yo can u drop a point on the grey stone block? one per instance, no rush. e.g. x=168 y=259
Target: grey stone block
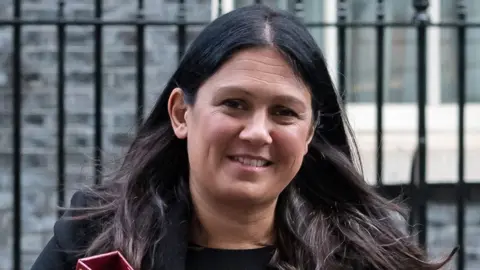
x=80 y=37
x=472 y=216
x=38 y=101
x=79 y=140
x=473 y=237
x=78 y=158
x=36 y=120
x=121 y=99
x=32 y=242
x=5 y=161
x=80 y=77
x=39 y=36
x=80 y=57
x=5 y=141
x=120 y=58
x=121 y=139
x=6 y=104
x=39 y=140
x=79 y=11
x=35 y=161
x=6 y=259
x=121 y=79
x=124 y=120
x=6 y=220
x=6 y=201
x=84 y=119
x=5 y=179
x=38 y=178
x=39 y=12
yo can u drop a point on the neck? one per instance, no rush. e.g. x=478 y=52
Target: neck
x=218 y=225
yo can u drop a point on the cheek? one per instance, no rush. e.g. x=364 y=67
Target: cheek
x=210 y=133
x=291 y=143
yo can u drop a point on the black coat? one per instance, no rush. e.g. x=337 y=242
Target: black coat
x=70 y=236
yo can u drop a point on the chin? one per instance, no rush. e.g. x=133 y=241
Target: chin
x=246 y=196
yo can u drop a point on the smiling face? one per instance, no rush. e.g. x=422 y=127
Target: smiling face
x=249 y=128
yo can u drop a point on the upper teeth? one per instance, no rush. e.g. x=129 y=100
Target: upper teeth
x=251 y=162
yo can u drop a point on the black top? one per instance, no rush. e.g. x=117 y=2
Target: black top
x=200 y=258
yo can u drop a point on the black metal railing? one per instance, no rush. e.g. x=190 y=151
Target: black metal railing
x=418 y=189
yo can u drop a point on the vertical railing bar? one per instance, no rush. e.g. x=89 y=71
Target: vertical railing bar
x=379 y=84
x=461 y=73
x=342 y=10
x=182 y=31
x=17 y=137
x=61 y=108
x=421 y=20
x=412 y=193
x=98 y=94
x=140 y=63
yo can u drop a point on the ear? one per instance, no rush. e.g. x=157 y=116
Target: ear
x=177 y=110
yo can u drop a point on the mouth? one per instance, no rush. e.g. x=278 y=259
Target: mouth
x=251 y=162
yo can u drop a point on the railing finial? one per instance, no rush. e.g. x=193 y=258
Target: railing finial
x=461 y=10
x=421 y=11
x=380 y=10
x=342 y=11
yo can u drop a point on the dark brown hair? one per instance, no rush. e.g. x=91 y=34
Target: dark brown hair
x=327 y=218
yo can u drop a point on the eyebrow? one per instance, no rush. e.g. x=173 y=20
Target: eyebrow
x=240 y=89
x=279 y=98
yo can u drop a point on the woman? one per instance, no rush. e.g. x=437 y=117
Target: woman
x=245 y=162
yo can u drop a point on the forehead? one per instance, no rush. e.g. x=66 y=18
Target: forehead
x=260 y=70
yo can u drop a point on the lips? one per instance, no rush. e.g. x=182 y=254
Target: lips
x=251 y=161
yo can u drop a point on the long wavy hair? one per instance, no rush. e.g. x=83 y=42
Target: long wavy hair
x=328 y=217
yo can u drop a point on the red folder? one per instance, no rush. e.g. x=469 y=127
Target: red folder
x=111 y=261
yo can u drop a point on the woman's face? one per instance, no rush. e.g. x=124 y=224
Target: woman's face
x=249 y=129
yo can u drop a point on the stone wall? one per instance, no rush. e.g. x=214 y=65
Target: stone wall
x=39 y=62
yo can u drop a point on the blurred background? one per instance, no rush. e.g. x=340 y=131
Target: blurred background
x=77 y=76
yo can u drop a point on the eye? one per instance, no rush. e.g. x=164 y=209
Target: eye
x=234 y=104
x=285 y=112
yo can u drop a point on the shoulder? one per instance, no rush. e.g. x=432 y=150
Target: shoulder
x=77 y=227
x=72 y=234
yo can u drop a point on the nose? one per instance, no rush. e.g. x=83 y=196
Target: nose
x=257 y=129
